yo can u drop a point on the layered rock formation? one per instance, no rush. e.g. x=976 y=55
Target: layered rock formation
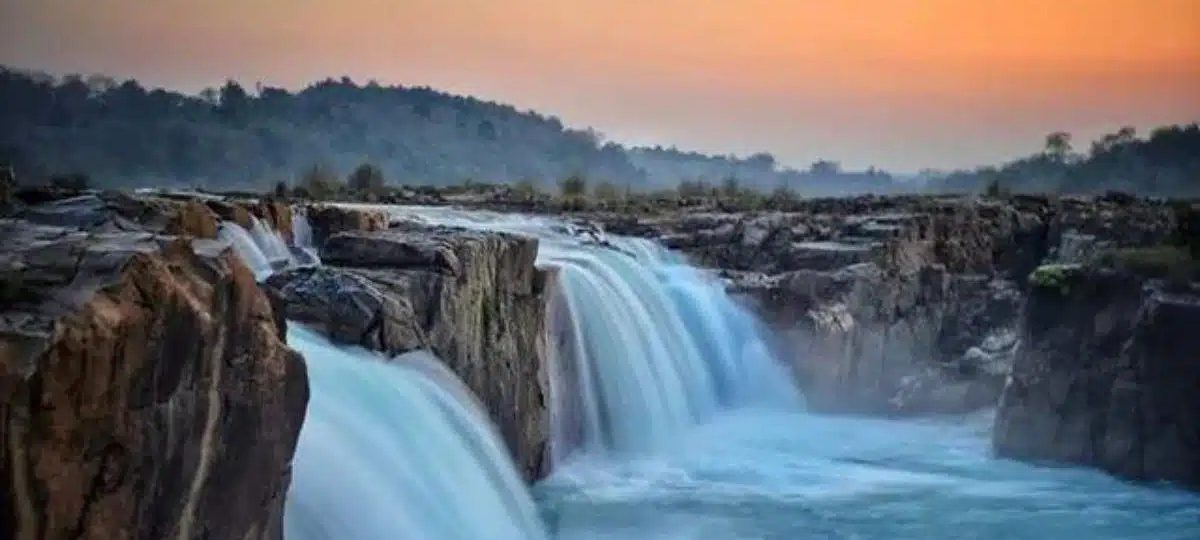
x=473 y=298
x=899 y=304
x=1108 y=375
x=145 y=391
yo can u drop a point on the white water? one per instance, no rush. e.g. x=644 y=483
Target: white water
x=398 y=450
x=684 y=429
x=652 y=347
x=263 y=248
x=246 y=248
x=302 y=236
x=271 y=243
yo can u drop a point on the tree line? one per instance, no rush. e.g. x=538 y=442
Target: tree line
x=97 y=130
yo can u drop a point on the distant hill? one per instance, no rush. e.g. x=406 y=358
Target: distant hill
x=121 y=134
x=1164 y=164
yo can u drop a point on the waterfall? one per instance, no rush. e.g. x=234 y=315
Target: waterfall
x=302 y=238
x=398 y=450
x=644 y=345
x=264 y=250
x=246 y=248
x=657 y=347
x=270 y=243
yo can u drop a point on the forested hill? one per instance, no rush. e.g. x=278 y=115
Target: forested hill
x=122 y=134
x=1164 y=164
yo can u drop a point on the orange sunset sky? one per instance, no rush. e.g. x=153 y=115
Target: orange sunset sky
x=901 y=84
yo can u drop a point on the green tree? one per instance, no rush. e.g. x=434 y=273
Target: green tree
x=573 y=187
x=318 y=182
x=1058 y=145
x=366 y=178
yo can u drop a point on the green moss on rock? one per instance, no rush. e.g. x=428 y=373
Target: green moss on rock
x=1055 y=276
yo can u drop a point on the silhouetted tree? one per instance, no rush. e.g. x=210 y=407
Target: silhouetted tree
x=366 y=178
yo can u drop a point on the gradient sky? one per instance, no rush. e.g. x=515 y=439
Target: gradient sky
x=901 y=84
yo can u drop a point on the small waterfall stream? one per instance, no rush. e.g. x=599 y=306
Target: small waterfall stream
x=245 y=246
x=263 y=248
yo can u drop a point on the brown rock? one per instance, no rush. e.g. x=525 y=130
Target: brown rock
x=328 y=220
x=193 y=219
x=474 y=298
x=145 y=391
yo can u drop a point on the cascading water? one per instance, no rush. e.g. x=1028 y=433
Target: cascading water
x=270 y=243
x=302 y=237
x=264 y=250
x=649 y=346
x=398 y=450
x=653 y=357
x=246 y=248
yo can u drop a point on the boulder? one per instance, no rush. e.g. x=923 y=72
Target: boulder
x=145 y=389
x=348 y=308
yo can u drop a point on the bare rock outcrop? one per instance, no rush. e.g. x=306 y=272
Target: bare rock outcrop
x=1107 y=375
x=145 y=391
x=328 y=220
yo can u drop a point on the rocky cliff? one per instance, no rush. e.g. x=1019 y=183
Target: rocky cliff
x=902 y=304
x=1107 y=374
x=145 y=391
x=473 y=298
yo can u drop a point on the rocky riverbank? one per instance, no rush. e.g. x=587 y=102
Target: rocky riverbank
x=1107 y=375
x=898 y=305
x=145 y=389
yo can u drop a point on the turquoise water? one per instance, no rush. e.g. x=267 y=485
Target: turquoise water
x=672 y=421
x=792 y=475
x=398 y=449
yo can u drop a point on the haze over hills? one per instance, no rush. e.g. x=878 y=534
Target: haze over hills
x=123 y=134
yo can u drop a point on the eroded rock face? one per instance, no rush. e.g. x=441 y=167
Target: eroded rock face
x=474 y=298
x=863 y=340
x=1107 y=375
x=899 y=304
x=145 y=391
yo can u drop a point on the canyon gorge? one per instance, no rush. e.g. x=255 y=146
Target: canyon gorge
x=192 y=365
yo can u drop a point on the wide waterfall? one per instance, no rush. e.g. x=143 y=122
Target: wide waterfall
x=647 y=345
x=398 y=449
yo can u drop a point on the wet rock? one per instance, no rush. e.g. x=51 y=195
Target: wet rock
x=476 y=302
x=348 y=308
x=145 y=390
